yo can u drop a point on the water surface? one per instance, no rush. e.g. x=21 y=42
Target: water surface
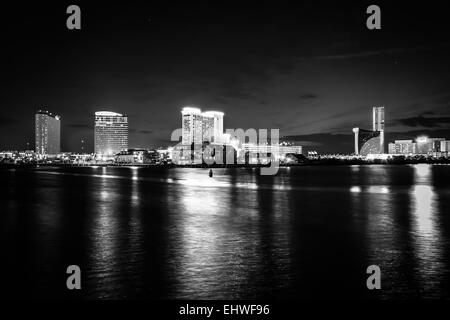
x=308 y=232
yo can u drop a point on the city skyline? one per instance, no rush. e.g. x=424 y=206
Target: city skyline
x=110 y=134
x=265 y=67
x=220 y=158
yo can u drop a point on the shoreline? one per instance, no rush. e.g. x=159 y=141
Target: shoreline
x=321 y=162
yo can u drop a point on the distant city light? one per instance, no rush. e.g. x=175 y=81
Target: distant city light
x=108 y=114
x=191 y=110
x=213 y=113
x=422 y=139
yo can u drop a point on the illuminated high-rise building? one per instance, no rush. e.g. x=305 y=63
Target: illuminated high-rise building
x=198 y=127
x=192 y=126
x=213 y=126
x=47 y=133
x=378 y=124
x=111 y=133
x=378 y=119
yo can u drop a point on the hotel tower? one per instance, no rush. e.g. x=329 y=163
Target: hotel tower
x=198 y=126
x=111 y=133
x=47 y=133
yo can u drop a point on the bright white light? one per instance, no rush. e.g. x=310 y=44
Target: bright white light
x=422 y=170
x=422 y=139
x=190 y=110
x=213 y=114
x=108 y=114
x=423 y=208
x=378 y=189
x=384 y=190
x=355 y=189
x=376 y=156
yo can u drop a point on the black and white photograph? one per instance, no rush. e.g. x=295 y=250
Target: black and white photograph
x=225 y=156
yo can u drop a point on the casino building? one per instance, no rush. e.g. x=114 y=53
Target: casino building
x=199 y=127
x=47 y=133
x=110 y=133
x=371 y=141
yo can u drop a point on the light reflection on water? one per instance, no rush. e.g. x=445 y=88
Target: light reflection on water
x=403 y=233
x=427 y=238
x=104 y=235
x=180 y=234
x=212 y=244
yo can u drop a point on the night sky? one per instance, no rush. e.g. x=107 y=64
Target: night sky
x=309 y=68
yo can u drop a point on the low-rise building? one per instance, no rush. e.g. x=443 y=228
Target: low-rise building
x=138 y=156
x=403 y=147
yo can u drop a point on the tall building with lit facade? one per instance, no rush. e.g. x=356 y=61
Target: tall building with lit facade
x=371 y=141
x=213 y=126
x=192 y=126
x=378 y=124
x=198 y=126
x=47 y=133
x=110 y=133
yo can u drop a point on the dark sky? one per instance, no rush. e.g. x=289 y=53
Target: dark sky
x=309 y=68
